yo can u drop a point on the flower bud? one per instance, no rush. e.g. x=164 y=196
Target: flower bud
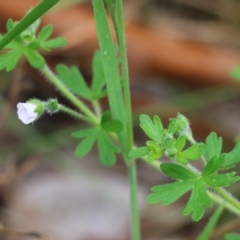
x=28 y=112
x=52 y=106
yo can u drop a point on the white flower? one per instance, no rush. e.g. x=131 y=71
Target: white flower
x=26 y=112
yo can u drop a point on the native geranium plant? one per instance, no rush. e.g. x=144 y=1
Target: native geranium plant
x=112 y=130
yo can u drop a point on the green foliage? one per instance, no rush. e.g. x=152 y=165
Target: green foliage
x=106 y=148
x=152 y=129
x=213 y=146
x=232 y=236
x=75 y=82
x=198 y=201
x=171 y=142
x=27 y=43
x=233 y=157
x=170 y=192
x=30 y=19
x=177 y=172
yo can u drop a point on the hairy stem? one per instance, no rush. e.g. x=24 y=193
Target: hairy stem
x=78 y=103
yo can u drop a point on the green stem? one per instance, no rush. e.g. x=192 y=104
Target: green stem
x=132 y=175
x=78 y=103
x=29 y=19
x=125 y=72
x=228 y=197
x=75 y=114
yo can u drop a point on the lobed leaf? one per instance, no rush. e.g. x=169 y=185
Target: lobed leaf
x=34 y=58
x=198 y=201
x=213 y=146
x=233 y=157
x=192 y=153
x=221 y=180
x=214 y=164
x=106 y=149
x=73 y=80
x=86 y=145
x=147 y=125
x=10 y=59
x=169 y=193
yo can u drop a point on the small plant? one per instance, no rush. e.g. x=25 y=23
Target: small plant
x=112 y=130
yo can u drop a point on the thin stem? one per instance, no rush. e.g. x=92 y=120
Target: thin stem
x=78 y=103
x=125 y=72
x=228 y=197
x=132 y=175
x=97 y=108
x=75 y=114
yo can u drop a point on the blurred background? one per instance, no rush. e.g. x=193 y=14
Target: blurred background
x=180 y=55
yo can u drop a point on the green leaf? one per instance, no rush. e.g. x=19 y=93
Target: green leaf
x=198 y=201
x=110 y=125
x=54 y=43
x=106 y=149
x=113 y=126
x=148 y=127
x=86 y=145
x=232 y=236
x=233 y=157
x=10 y=59
x=35 y=59
x=158 y=124
x=45 y=33
x=29 y=19
x=221 y=180
x=180 y=143
x=192 y=153
x=138 y=152
x=83 y=133
x=106 y=117
x=213 y=146
x=172 y=126
x=206 y=233
x=73 y=80
x=177 y=171
x=169 y=193
x=214 y=164
x=98 y=81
